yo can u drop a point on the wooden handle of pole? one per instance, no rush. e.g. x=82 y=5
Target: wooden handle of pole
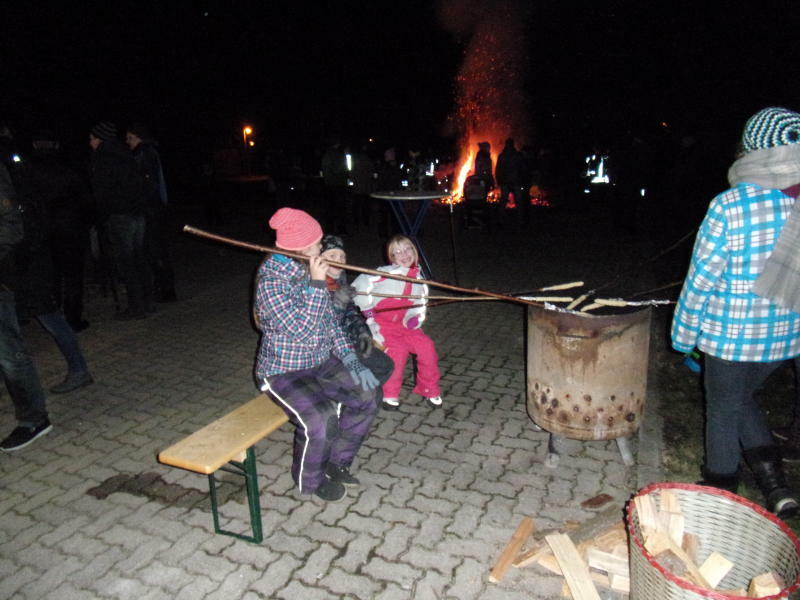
x=269 y=249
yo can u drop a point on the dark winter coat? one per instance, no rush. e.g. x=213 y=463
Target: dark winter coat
x=35 y=274
x=148 y=164
x=350 y=318
x=63 y=195
x=483 y=167
x=11 y=229
x=116 y=183
x=509 y=167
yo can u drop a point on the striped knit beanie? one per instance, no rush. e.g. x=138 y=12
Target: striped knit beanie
x=104 y=131
x=331 y=242
x=771 y=127
x=295 y=229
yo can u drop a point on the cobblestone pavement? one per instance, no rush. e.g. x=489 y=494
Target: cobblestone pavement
x=87 y=512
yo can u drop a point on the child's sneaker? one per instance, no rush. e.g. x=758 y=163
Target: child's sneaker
x=391 y=403
x=435 y=401
x=341 y=475
x=330 y=491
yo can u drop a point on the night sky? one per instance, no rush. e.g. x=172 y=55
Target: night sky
x=303 y=72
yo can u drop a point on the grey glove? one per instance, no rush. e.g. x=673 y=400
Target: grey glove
x=364 y=344
x=361 y=375
x=343 y=296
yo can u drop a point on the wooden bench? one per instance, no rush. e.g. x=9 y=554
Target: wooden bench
x=227 y=444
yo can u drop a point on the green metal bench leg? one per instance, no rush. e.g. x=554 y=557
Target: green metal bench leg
x=247 y=469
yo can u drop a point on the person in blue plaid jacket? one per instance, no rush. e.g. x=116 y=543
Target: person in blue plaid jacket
x=744 y=336
x=307 y=364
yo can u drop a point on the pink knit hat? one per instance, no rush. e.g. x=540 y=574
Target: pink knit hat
x=295 y=229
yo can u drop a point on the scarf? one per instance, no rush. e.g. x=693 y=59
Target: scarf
x=776 y=168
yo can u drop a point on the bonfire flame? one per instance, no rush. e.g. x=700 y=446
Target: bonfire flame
x=491 y=104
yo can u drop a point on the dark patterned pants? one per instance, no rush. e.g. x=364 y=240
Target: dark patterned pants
x=332 y=416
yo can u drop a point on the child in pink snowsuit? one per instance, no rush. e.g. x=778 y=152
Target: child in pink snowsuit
x=396 y=322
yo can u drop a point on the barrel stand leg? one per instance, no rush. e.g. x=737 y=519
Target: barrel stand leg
x=247 y=469
x=555 y=446
x=625 y=450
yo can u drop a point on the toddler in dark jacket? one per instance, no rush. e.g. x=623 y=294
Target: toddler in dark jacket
x=349 y=315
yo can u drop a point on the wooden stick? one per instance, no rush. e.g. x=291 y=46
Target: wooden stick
x=577 y=301
x=269 y=249
x=511 y=550
x=573 y=567
x=560 y=286
x=462 y=298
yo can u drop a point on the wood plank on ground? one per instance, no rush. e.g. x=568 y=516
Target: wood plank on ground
x=573 y=567
x=523 y=532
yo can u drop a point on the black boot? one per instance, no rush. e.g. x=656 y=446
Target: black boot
x=790 y=449
x=765 y=462
x=729 y=482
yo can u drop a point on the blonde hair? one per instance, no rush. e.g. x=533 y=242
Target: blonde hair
x=395 y=242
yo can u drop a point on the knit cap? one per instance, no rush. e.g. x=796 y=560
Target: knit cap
x=295 y=229
x=141 y=131
x=104 y=130
x=770 y=127
x=331 y=242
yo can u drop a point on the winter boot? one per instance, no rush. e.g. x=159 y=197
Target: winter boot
x=765 y=462
x=790 y=448
x=729 y=482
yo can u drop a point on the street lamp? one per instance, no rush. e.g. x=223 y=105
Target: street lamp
x=246 y=131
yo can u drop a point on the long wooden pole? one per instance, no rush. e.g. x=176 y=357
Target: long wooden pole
x=446 y=286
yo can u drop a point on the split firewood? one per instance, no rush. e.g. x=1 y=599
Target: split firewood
x=620 y=583
x=601 y=579
x=670 y=561
x=605 y=561
x=661 y=539
x=691 y=544
x=523 y=532
x=549 y=562
x=532 y=555
x=573 y=567
x=648 y=513
x=766 y=584
x=714 y=568
x=669 y=501
x=656 y=542
x=620 y=550
x=612 y=537
x=673 y=524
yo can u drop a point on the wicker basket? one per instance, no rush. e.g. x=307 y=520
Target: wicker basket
x=755 y=540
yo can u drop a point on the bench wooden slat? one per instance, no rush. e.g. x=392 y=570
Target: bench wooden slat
x=227 y=438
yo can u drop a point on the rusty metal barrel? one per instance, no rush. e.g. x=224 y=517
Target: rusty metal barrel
x=587 y=374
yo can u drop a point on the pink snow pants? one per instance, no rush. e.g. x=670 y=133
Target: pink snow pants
x=400 y=342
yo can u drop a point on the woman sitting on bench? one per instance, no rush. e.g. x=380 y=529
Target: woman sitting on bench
x=307 y=364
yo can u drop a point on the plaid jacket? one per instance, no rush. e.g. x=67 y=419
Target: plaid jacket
x=299 y=328
x=717 y=310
